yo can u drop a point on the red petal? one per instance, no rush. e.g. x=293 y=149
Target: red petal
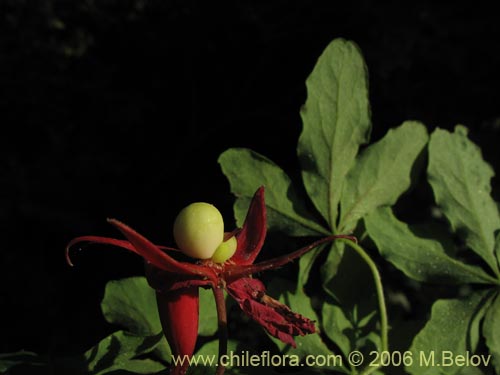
x=179 y=311
x=158 y=258
x=275 y=317
x=252 y=235
x=100 y=240
x=105 y=241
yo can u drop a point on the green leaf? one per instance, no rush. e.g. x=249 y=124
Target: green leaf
x=299 y=303
x=445 y=336
x=131 y=303
x=306 y=263
x=210 y=352
x=475 y=331
x=337 y=326
x=381 y=173
x=351 y=283
x=497 y=247
x=10 y=360
x=205 y=359
x=208 y=323
x=460 y=179
x=349 y=330
x=333 y=259
x=246 y=171
x=120 y=351
x=419 y=258
x=336 y=121
x=470 y=370
x=491 y=331
x=350 y=320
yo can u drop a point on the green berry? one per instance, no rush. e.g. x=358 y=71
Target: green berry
x=225 y=250
x=199 y=230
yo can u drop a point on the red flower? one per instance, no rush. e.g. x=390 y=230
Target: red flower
x=177 y=282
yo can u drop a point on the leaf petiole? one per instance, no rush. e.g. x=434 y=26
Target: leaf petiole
x=384 y=327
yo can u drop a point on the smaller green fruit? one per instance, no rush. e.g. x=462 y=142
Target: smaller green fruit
x=199 y=230
x=225 y=250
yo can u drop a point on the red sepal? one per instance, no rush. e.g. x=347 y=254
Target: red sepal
x=153 y=254
x=235 y=271
x=251 y=237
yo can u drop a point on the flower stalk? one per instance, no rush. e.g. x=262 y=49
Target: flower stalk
x=220 y=304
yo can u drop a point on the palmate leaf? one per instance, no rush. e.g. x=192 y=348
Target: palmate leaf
x=491 y=331
x=348 y=318
x=335 y=325
x=246 y=171
x=419 y=258
x=206 y=358
x=306 y=262
x=123 y=351
x=381 y=173
x=300 y=303
x=348 y=333
x=460 y=179
x=336 y=121
x=131 y=303
x=352 y=286
x=11 y=360
x=211 y=351
x=446 y=333
x=476 y=326
x=497 y=245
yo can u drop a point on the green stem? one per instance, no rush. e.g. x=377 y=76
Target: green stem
x=384 y=327
x=220 y=304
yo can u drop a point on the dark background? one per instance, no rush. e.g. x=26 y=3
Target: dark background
x=119 y=108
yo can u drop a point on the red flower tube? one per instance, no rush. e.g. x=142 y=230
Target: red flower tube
x=178 y=310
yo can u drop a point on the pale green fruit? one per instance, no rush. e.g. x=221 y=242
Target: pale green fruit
x=199 y=230
x=225 y=250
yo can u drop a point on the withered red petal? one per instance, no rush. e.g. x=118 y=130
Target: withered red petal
x=253 y=233
x=275 y=317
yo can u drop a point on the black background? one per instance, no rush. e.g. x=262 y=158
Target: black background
x=120 y=109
